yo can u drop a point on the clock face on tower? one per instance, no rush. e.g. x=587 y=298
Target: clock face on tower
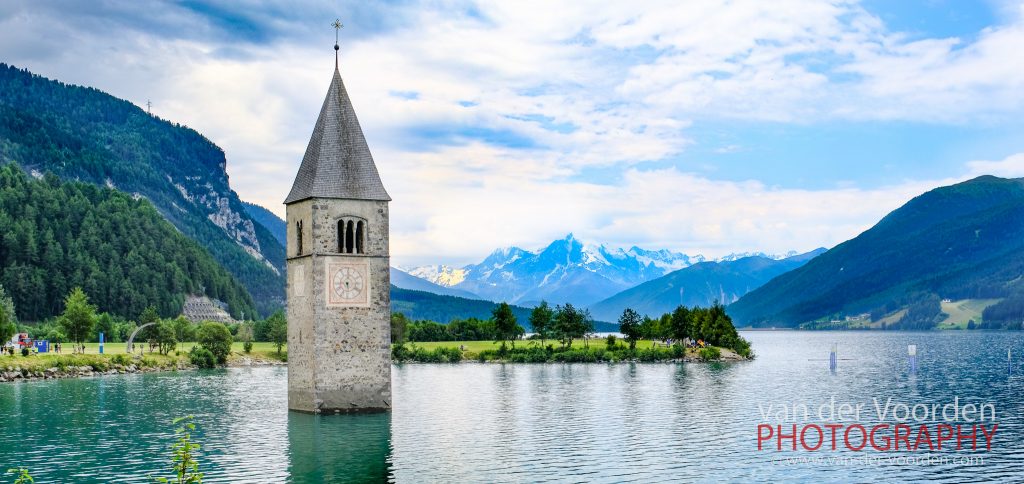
x=348 y=284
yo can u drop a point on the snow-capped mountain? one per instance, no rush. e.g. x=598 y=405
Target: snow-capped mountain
x=441 y=275
x=567 y=270
x=742 y=255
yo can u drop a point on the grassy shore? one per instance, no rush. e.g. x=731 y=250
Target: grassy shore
x=115 y=348
x=266 y=353
x=114 y=353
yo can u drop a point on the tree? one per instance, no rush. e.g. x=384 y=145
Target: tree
x=680 y=323
x=105 y=324
x=245 y=335
x=124 y=330
x=166 y=336
x=399 y=326
x=79 y=316
x=505 y=323
x=8 y=318
x=629 y=326
x=587 y=327
x=572 y=323
x=149 y=315
x=541 y=319
x=648 y=328
x=278 y=330
x=184 y=330
x=215 y=338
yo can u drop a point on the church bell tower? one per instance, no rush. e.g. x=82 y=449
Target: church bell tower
x=339 y=297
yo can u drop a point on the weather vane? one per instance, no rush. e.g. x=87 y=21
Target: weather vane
x=337 y=27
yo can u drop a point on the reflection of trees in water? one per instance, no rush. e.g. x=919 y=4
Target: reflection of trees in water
x=339 y=448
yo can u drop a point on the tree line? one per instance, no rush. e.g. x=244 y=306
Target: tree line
x=711 y=325
x=565 y=324
x=55 y=236
x=81 y=322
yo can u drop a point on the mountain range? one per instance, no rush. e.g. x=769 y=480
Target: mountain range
x=701 y=284
x=565 y=271
x=964 y=241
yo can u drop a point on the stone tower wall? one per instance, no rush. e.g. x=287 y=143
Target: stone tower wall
x=339 y=358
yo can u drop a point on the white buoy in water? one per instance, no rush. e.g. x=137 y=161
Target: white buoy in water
x=912 y=357
x=832 y=358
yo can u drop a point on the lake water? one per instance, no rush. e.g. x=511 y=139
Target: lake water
x=474 y=422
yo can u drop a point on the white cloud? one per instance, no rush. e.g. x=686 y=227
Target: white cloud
x=652 y=208
x=583 y=85
x=1010 y=167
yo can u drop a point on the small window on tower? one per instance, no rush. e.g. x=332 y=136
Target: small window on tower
x=341 y=236
x=298 y=237
x=359 y=237
x=349 y=237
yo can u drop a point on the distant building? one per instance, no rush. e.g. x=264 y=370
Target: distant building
x=201 y=308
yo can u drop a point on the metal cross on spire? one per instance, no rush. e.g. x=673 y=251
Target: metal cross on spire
x=337 y=27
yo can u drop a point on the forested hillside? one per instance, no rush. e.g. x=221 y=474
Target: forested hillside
x=964 y=241
x=57 y=235
x=84 y=134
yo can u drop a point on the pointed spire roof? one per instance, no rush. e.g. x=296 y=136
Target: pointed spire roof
x=337 y=163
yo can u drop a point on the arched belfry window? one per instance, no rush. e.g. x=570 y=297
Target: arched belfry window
x=351 y=235
x=298 y=237
x=359 y=237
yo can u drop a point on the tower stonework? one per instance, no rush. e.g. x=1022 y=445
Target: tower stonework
x=339 y=297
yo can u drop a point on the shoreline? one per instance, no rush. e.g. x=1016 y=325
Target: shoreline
x=91 y=365
x=14 y=373
x=103 y=366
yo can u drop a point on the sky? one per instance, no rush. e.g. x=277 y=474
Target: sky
x=705 y=127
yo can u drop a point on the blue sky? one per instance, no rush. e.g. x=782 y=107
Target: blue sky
x=702 y=126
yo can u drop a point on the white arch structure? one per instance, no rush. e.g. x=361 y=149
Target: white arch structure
x=131 y=339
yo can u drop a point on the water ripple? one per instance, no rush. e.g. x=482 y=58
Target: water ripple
x=520 y=423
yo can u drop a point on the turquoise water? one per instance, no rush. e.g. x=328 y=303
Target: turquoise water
x=526 y=423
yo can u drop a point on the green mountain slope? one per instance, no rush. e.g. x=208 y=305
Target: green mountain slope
x=698 y=285
x=964 y=241
x=81 y=133
x=55 y=236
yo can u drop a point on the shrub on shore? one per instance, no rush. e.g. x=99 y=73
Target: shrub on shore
x=215 y=338
x=709 y=353
x=402 y=353
x=202 y=357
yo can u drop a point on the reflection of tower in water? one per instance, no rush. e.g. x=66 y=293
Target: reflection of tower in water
x=339 y=448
